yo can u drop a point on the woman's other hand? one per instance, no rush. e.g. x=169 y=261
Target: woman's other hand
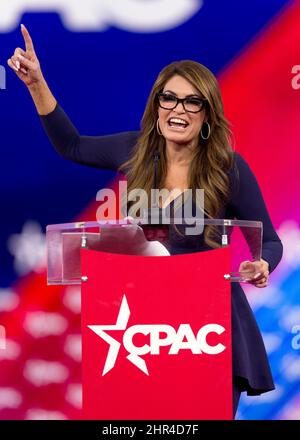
x=255 y=272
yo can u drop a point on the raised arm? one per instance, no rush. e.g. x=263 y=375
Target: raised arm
x=97 y=151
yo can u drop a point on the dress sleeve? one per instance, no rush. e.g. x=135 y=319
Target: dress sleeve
x=107 y=152
x=247 y=203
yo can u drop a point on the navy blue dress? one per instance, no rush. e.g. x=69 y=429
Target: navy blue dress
x=250 y=364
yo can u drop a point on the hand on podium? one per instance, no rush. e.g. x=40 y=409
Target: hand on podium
x=255 y=272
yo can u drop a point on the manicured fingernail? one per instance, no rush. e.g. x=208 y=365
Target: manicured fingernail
x=257 y=275
x=24 y=71
x=13 y=65
x=18 y=64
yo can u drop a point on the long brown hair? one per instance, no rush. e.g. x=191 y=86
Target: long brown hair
x=211 y=161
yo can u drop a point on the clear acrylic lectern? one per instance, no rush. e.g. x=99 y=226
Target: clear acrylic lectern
x=64 y=242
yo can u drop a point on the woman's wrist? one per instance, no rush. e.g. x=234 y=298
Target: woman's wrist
x=266 y=263
x=42 y=97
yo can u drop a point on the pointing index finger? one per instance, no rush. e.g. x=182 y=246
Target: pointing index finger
x=27 y=38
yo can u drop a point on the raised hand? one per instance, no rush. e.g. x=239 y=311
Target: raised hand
x=27 y=67
x=25 y=62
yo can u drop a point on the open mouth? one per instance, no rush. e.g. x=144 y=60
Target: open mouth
x=178 y=123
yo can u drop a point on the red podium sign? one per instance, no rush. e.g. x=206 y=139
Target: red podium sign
x=156 y=336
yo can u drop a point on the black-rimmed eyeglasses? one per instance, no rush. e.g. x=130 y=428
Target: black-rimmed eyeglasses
x=191 y=104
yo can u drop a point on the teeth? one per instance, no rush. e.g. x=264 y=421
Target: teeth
x=178 y=121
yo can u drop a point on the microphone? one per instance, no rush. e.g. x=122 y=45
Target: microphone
x=152 y=215
x=156 y=157
x=156 y=212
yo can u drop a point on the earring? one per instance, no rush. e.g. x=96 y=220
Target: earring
x=158 y=128
x=208 y=130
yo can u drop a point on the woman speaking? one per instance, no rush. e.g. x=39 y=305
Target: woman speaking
x=184 y=125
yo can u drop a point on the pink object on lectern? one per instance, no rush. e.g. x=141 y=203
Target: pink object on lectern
x=156 y=336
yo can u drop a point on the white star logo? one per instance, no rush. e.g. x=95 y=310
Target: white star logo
x=114 y=348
